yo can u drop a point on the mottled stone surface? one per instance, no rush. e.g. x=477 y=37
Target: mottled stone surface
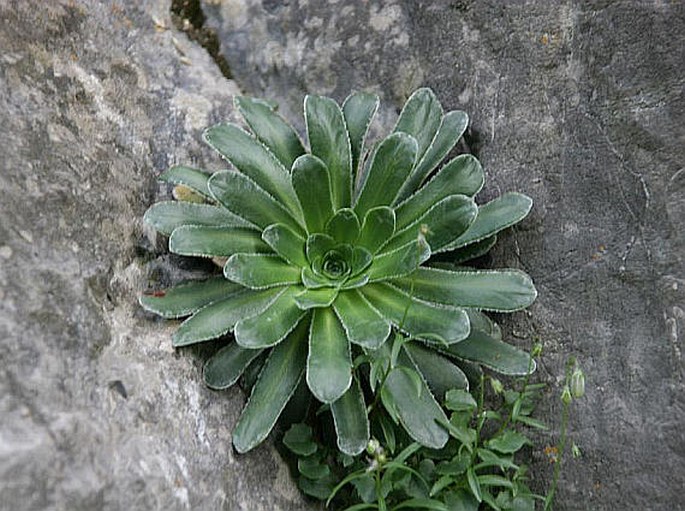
x=97 y=411
x=580 y=105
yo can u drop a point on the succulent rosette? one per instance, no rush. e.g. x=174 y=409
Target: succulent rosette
x=328 y=262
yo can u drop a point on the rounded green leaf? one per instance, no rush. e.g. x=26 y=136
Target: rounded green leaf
x=401 y=261
x=344 y=226
x=168 y=215
x=377 y=228
x=362 y=323
x=358 y=111
x=276 y=384
x=421 y=118
x=260 y=271
x=439 y=372
x=312 y=184
x=496 y=355
x=350 y=420
x=270 y=128
x=195 y=179
x=211 y=241
x=286 y=243
x=225 y=367
x=329 y=368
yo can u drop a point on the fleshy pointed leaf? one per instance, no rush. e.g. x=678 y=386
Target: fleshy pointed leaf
x=441 y=225
x=273 y=324
x=329 y=368
x=239 y=193
x=225 y=367
x=377 y=228
x=311 y=280
x=421 y=118
x=276 y=384
x=271 y=129
x=344 y=226
x=361 y=259
x=260 y=271
x=358 y=110
x=168 y=215
x=312 y=185
x=496 y=355
x=219 y=318
x=479 y=321
x=451 y=129
x=355 y=282
x=316 y=298
x=255 y=161
x=494 y=290
x=461 y=176
x=188 y=297
x=195 y=179
x=495 y=216
x=390 y=166
x=351 y=421
x=286 y=243
x=362 y=323
x=419 y=413
x=401 y=261
x=329 y=140
x=210 y=241
x=439 y=372
x=416 y=317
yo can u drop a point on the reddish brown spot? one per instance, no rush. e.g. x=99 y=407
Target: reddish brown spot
x=156 y=294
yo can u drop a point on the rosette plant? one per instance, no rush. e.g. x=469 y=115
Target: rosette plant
x=328 y=272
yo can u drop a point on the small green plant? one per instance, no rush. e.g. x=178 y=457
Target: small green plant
x=329 y=276
x=479 y=465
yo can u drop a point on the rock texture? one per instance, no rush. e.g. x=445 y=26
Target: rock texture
x=580 y=105
x=96 y=409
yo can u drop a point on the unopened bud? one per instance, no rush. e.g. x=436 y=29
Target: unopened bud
x=537 y=350
x=372 y=446
x=575 y=451
x=566 y=397
x=577 y=383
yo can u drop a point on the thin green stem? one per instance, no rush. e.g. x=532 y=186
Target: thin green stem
x=510 y=415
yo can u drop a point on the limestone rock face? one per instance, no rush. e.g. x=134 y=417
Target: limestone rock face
x=97 y=411
x=580 y=105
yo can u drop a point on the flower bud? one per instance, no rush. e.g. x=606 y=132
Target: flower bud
x=577 y=383
x=496 y=385
x=537 y=350
x=566 y=397
x=372 y=446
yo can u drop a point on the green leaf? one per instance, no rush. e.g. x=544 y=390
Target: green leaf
x=329 y=368
x=312 y=185
x=418 y=318
x=358 y=111
x=242 y=195
x=459 y=400
x=361 y=259
x=168 y=215
x=218 y=318
x=495 y=216
x=490 y=459
x=225 y=367
x=440 y=373
x=210 y=241
x=473 y=484
x=390 y=166
x=480 y=321
x=313 y=281
x=441 y=225
x=255 y=161
x=456 y=466
x=377 y=228
x=401 y=261
x=344 y=226
x=461 y=500
x=195 y=179
x=421 y=118
x=317 y=245
x=286 y=243
x=465 y=435
x=507 y=442
x=419 y=415
x=312 y=468
x=329 y=140
x=451 y=129
x=260 y=271
x=496 y=355
x=273 y=324
x=472 y=251
x=461 y=176
x=299 y=440
x=188 y=297
x=351 y=421
x=362 y=324
x=270 y=128
x=494 y=290
x=419 y=503
x=316 y=298
x=319 y=489
x=276 y=384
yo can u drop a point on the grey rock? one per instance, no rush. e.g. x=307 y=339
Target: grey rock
x=580 y=105
x=97 y=411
